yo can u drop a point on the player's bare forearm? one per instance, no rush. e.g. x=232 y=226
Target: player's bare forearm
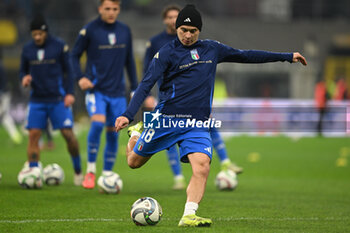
x=297 y=57
x=121 y=123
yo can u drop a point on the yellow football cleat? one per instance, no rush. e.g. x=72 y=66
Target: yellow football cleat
x=193 y=220
x=228 y=165
x=138 y=128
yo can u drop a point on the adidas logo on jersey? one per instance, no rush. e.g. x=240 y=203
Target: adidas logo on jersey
x=187 y=20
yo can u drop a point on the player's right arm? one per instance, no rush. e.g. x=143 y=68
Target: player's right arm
x=24 y=75
x=81 y=45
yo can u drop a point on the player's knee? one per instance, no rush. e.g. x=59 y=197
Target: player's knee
x=202 y=169
x=133 y=164
x=134 y=161
x=99 y=118
x=68 y=135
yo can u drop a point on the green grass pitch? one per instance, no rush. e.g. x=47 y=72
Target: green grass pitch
x=287 y=186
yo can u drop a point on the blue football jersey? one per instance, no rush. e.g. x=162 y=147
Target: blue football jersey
x=187 y=76
x=109 y=51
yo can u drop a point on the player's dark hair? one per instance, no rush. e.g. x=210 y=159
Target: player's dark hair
x=169 y=8
x=116 y=1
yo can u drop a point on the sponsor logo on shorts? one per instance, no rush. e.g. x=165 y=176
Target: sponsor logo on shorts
x=208 y=149
x=67 y=122
x=140 y=146
x=93 y=109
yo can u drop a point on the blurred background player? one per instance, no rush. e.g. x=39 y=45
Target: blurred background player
x=187 y=68
x=108 y=44
x=44 y=62
x=169 y=16
x=5 y=100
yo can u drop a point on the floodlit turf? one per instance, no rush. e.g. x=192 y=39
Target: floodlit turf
x=287 y=186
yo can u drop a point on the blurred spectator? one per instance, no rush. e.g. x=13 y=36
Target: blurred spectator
x=321 y=98
x=341 y=90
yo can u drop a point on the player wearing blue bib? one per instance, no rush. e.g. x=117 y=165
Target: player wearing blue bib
x=44 y=63
x=186 y=68
x=108 y=44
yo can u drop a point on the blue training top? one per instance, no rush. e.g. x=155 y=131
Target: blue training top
x=187 y=76
x=47 y=65
x=154 y=46
x=109 y=50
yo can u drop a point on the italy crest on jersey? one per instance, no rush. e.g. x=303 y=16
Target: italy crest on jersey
x=112 y=38
x=41 y=54
x=194 y=54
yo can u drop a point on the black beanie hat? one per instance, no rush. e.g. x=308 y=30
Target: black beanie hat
x=38 y=23
x=189 y=16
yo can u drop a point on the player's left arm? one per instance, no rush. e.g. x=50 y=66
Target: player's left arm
x=130 y=65
x=228 y=54
x=68 y=81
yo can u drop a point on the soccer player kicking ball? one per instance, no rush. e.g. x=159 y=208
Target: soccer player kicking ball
x=44 y=62
x=187 y=68
x=169 y=16
x=108 y=44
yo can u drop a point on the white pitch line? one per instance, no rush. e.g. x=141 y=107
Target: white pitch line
x=62 y=220
x=281 y=219
x=287 y=219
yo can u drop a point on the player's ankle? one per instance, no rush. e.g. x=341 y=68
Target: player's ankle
x=190 y=208
x=91 y=167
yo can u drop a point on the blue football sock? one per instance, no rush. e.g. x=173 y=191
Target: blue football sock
x=94 y=140
x=34 y=164
x=76 y=164
x=174 y=160
x=218 y=144
x=111 y=149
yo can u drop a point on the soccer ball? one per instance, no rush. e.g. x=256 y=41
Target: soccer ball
x=146 y=211
x=110 y=183
x=30 y=178
x=226 y=180
x=53 y=174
